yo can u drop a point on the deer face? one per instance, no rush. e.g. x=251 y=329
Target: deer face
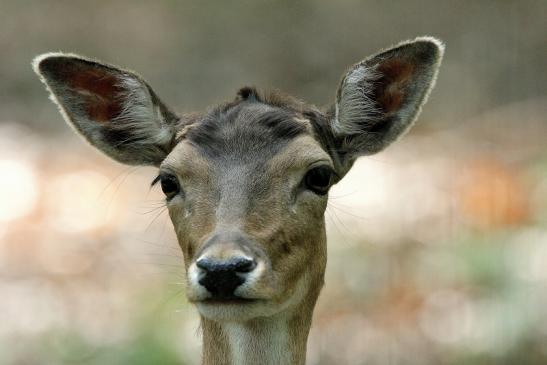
x=247 y=182
x=246 y=190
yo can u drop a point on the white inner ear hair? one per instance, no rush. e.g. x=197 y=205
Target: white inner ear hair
x=356 y=108
x=140 y=115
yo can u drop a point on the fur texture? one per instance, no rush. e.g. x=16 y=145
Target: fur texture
x=114 y=109
x=241 y=170
x=380 y=97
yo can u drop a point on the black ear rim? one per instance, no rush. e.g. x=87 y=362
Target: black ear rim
x=428 y=51
x=426 y=48
x=42 y=63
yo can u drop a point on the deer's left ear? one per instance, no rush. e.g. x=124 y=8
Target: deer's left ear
x=380 y=97
x=114 y=109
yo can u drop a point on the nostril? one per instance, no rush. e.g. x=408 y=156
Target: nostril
x=236 y=264
x=205 y=264
x=222 y=277
x=243 y=264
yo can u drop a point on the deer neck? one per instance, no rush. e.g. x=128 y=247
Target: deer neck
x=277 y=340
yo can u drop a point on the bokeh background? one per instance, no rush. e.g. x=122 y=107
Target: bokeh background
x=437 y=246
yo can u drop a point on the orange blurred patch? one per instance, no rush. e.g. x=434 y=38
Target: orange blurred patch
x=491 y=194
x=400 y=304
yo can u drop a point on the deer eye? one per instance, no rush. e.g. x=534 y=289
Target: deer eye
x=319 y=179
x=169 y=185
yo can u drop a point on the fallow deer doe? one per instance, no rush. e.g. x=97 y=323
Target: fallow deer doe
x=246 y=182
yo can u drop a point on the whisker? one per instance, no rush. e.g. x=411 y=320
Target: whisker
x=163 y=272
x=129 y=171
x=343 y=195
x=163 y=255
x=155 y=218
x=153 y=210
x=170 y=298
x=153 y=203
x=332 y=205
x=159 y=264
x=344 y=238
x=175 y=249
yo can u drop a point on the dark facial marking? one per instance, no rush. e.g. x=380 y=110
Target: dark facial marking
x=233 y=128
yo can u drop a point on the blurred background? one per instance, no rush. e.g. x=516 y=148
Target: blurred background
x=437 y=247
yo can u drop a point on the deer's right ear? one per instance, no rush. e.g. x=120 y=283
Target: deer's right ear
x=114 y=109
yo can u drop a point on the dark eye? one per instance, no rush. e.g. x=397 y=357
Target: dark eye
x=319 y=179
x=169 y=185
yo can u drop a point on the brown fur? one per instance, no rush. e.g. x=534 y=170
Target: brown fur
x=237 y=182
x=390 y=89
x=101 y=91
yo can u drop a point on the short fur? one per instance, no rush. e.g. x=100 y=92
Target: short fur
x=261 y=126
x=242 y=169
x=114 y=109
x=380 y=97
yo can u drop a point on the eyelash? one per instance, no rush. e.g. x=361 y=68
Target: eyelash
x=155 y=181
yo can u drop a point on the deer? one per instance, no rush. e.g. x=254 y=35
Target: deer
x=246 y=182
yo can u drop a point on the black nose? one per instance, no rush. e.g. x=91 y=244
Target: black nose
x=222 y=277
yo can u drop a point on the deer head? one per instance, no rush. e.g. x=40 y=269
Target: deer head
x=246 y=183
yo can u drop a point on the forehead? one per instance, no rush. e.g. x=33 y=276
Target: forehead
x=247 y=131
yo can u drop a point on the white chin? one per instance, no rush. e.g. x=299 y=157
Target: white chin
x=236 y=312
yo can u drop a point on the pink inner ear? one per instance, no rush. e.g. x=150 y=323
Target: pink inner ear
x=390 y=89
x=100 y=91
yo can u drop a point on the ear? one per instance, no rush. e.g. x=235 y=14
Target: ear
x=380 y=97
x=114 y=109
